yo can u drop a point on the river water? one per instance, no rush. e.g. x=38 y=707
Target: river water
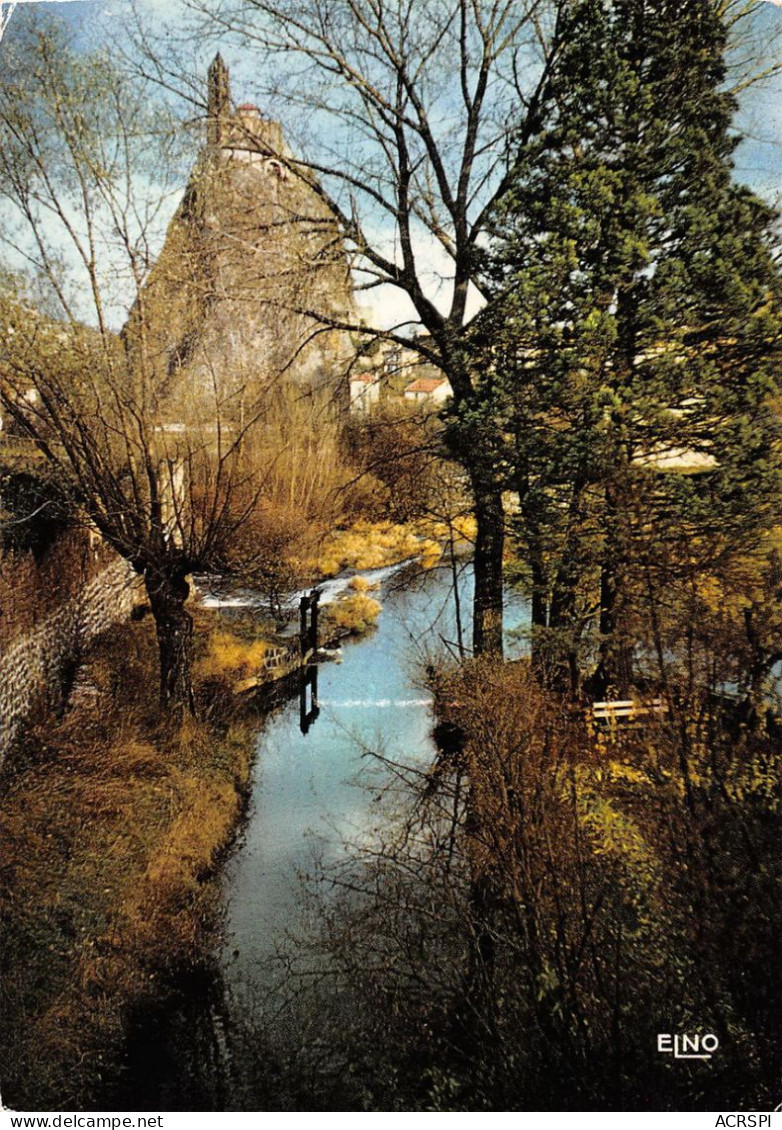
x=310 y=795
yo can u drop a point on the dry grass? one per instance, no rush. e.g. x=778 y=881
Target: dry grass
x=373 y=545
x=111 y=831
x=462 y=528
x=360 y=584
x=350 y=615
x=228 y=654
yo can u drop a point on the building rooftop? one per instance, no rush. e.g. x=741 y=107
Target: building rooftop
x=426 y=384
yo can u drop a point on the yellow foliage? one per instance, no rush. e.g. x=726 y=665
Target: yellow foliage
x=206 y=811
x=615 y=833
x=462 y=528
x=372 y=545
x=743 y=584
x=359 y=584
x=353 y=614
x=229 y=654
x=327 y=566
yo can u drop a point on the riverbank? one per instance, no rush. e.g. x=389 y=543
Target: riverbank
x=113 y=827
x=367 y=545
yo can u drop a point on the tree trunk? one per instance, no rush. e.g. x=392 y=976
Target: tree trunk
x=174 y=627
x=556 y=628
x=539 y=614
x=457 y=603
x=489 y=546
x=565 y=673
x=613 y=674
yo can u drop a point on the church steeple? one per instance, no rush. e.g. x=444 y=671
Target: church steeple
x=218 y=103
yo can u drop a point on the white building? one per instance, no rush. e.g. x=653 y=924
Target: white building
x=364 y=392
x=436 y=390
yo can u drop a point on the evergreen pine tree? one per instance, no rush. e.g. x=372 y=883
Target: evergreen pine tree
x=633 y=327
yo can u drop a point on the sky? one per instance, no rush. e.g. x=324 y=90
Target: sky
x=760 y=117
x=758 y=159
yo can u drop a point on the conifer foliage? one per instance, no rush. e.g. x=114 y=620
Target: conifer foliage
x=633 y=327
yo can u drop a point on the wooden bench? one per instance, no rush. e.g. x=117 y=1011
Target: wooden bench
x=626 y=712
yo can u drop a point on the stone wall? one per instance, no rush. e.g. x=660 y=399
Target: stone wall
x=33 y=668
x=279 y=660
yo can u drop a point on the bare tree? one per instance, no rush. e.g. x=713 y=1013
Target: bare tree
x=414 y=117
x=157 y=433
x=416 y=113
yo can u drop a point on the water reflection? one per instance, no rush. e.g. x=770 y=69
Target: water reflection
x=214 y=1044
x=308 y=697
x=305 y=801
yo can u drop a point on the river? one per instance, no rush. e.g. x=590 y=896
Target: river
x=309 y=797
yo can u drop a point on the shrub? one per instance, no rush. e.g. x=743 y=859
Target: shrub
x=533 y=905
x=350 y=616
x=227 y=654
x=372 y=545
x=360 y=584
